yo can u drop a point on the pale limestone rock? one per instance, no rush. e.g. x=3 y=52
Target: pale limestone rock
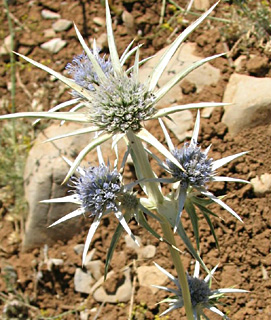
x=130 y=242
x=181 y=125
x=54 y=45
x=251 y=102
x=261 y=185
x=183 y=58
x=146 y=252
x=44 y=172
x=150 y=275
x=48 y=14
x=101 y=41
x=123 y=293
x=6 y=47
x=94 y=268
x=49 y=33
x=99 y=21
x=62 y=25
x=201 y=4
x=82 y=281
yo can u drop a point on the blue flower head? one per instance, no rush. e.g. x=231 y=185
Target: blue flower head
x=83 y=73
x=202 y=297
x=98 y=189
x=196 y=170
x=197 y=167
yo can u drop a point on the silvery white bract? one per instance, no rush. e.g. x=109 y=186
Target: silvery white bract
x=202 y=297
x=197 y=170
x=99 y=191
x=115 y=102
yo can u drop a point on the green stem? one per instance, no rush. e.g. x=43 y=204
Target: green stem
x=12 y=67
x=197 y=14
x=144 y=170
x=168 y=234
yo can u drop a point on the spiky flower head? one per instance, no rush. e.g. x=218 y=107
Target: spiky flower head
x=202 y=297
x=121 y=104
x=195 y=172
x=199 y=290
x=83 y=72
x=98 y=189
x=196 y=164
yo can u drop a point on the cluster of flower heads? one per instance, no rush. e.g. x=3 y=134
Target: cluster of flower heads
x=196 y=164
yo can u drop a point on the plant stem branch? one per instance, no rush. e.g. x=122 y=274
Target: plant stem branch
x=144 y=170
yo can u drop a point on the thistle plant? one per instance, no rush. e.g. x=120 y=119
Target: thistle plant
x=115 y=105
x=202 y=296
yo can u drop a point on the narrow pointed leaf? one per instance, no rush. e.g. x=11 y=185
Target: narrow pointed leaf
x=181 y=75
x=169 y=275
x=93 y=144
x=194 y=139
x=190 y=209
x=197 y=269
x=60 y=106
x=127 y=51
x=221 y=162
x=111 y=41
x=229 y=179
x=222 y=204
x=167 y=137
x=166 y=111
x=73 y=199
x=136 y=66
x=84 y=92
x=129 y=70
x=215 y=310
x=78 y=169
x=203 y=209
x=181 y=201
x=76 y=117
x=74 y=109
x=175 y=292
x=146 y=136
x=206 y=216
x=210 y=275
x=125 y=226
x=68 y=216
x=158 y=70
x=113 y=244
x=102 y=77
x=73 y=133
x=206 y=151
x=90 y=235
x=154 y=156
x=229 y=290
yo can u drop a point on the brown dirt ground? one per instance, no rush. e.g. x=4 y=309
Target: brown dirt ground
x=245 y=258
